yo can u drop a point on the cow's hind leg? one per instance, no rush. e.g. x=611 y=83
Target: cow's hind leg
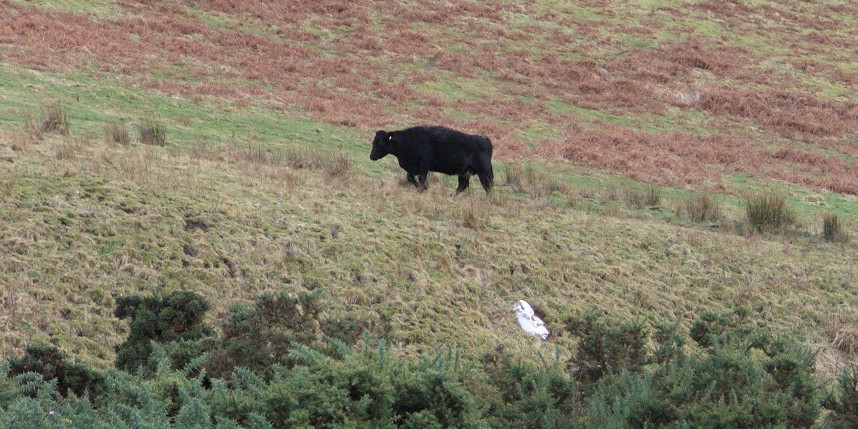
x=421 y=182
x=464 y=181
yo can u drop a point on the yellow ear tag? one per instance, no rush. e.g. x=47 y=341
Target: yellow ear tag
x=390 y=137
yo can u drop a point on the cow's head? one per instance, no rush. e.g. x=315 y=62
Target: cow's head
x=382 y=145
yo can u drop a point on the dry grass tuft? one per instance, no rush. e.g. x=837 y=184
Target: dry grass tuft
x=339 y=167
x=152 y=132
x=641 y=197
x=201 y=150
x=255 y=153
x=548 y=185
x=475 y=214
x=305 y=158
x=470 y=218
x=67 y=150
x=32 y=130
x=830 y=361
x=528 y=179
x=55 y=119
x=845 y=339
x=702 y=208
x=514 y=177
x=16 y=141
x=116 y=133
x=832 y=228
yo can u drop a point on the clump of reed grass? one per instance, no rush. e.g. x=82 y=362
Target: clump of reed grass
x=640 y=197
x=260 y=154
x=768 y=212
x=116 y=133
x=529 y=179
x=339 y=167
x=32 y=129
x=845 y=338
x=55 y=119
x=514 y=177
x=832 y=228
x=67 y=150
x=702 y=208
x=152 y=132
x=474 y=217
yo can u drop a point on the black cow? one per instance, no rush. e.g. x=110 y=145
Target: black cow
x=424 y=149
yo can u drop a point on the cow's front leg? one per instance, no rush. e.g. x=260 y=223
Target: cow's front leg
x=464 y=181
x=412 y=180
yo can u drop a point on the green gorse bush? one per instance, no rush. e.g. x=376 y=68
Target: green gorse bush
x=624 y=375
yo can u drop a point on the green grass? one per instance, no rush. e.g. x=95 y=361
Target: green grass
x=805 y=202
x=90 y=103
x=100 y=9
x=113 y=220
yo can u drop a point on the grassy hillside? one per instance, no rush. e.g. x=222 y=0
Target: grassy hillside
x=85 y=221
x=264 y=182
x=683 y=93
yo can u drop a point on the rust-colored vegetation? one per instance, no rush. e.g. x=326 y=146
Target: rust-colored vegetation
x=764 y=91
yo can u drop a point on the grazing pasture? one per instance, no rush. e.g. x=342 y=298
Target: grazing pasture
x=679 y=93
x=608 y=122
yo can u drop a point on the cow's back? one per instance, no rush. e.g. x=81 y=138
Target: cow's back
x=442 y=149
x=452 y=142
x=456 y=152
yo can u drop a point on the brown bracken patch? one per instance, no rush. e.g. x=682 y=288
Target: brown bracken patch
x=354 y=63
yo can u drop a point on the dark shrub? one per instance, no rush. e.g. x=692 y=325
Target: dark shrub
x=53 y=364
x=713 y=326
x=260 y=334
x=843 y=402
x=524 y=395
x=334 y=386
x=174 y=321
x=742 y=378
x=350 y=326
x=605 y=347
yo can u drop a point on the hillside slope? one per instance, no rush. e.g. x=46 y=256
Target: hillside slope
x=265 y=183
x=85 y=221
x=679 y=92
